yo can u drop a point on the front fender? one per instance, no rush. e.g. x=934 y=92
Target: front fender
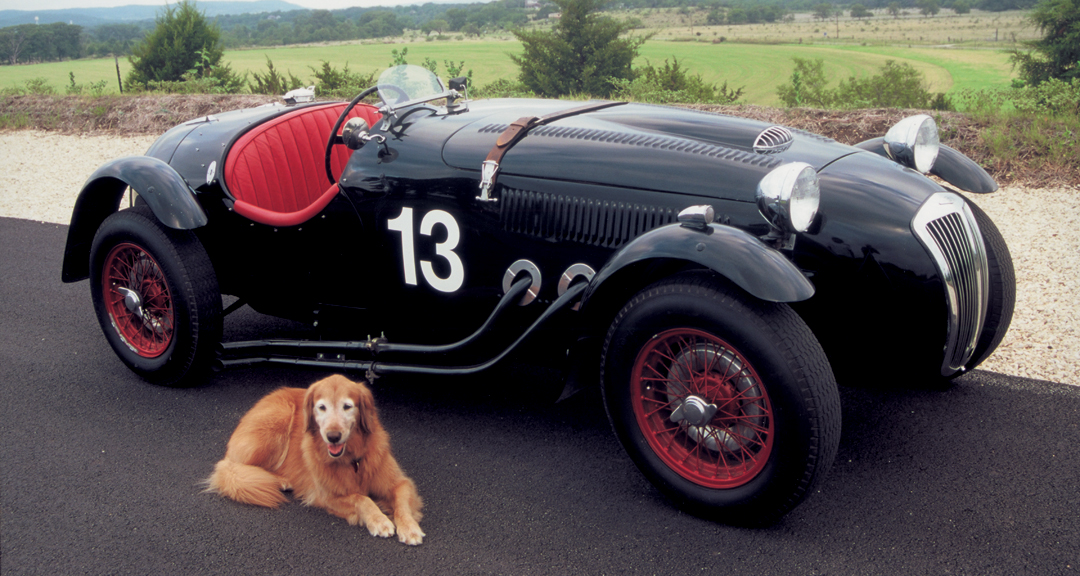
x=734 y=254
x=169 y=197
x=951 y=166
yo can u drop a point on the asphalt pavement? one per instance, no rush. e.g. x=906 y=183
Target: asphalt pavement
x=100 y=471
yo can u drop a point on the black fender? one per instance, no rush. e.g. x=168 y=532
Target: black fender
x=951 y=166
x=732 y=253
x=164 y=190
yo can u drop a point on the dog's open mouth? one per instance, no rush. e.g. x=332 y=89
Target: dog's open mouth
x=335 y=450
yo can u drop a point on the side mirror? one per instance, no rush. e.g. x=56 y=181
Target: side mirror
x=355 y=133
x=459 y=84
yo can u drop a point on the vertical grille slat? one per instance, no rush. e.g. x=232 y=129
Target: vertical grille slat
x=585 y=221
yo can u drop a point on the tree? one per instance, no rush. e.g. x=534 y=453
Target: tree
x=183 y=41
x=928 y=8
x=860 y=11
x=438 y=26
x=822 y=11
x=14 y=38
x=1057 y=53
x=894 y=9
x=582 y=54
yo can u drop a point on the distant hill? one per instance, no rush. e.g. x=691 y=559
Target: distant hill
x=90 y=17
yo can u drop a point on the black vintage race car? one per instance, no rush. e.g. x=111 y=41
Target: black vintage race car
x=710 y=272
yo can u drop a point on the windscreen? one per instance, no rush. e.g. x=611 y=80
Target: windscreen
x=401 y=84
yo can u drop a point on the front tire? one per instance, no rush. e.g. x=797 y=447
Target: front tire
x=1002 y=297
x=727 y=404
x=156 y=297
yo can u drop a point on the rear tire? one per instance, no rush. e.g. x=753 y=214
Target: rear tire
x=726 y=403
x=156 y=297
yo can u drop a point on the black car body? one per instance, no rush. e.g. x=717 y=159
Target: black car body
x=636 y=244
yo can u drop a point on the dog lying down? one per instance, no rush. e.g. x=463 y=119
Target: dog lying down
x=326 y=445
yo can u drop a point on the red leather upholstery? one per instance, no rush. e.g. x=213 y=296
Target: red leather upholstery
x=276 y=171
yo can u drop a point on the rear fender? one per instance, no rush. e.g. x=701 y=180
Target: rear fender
x=168 y=195
x=732 y=253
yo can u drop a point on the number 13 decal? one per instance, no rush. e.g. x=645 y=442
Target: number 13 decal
x=444 y=249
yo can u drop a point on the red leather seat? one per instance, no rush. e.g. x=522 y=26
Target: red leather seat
x=276 y=171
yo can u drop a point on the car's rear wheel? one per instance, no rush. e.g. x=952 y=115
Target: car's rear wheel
x=156 y=297
x=727 y=404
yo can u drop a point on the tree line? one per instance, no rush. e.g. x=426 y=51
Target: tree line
x=29 y=43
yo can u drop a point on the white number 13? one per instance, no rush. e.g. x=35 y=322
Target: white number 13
x=444 y=249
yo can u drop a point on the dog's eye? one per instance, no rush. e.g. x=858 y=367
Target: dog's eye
x=321 y=407
x=347 y=406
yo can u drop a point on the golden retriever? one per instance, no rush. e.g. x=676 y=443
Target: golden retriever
x=327 y=446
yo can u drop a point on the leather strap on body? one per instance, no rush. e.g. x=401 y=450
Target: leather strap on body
x=515 y=132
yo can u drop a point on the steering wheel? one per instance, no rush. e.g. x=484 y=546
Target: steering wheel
x=335 y=138
x=403 y=96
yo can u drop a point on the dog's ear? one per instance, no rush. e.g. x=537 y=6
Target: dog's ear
x=365 y=404
x=309 y=410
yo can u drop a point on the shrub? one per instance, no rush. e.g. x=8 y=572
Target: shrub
x=273 y=82
x=96 y=89
x=39 y=86
x=501 y=88
x=896 y=86
x=341 y=84
x=807 y=86
x=672 y=83
x=1055 y=97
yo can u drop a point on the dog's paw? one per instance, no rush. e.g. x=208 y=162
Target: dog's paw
x=411 y=535
x=380 y=526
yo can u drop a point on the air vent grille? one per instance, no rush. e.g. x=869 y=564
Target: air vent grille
x=772 y=140
x=560 y=218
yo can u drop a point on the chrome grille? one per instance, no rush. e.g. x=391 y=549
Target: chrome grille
x=947 y=228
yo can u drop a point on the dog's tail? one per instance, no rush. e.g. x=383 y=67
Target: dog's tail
x=246 y=483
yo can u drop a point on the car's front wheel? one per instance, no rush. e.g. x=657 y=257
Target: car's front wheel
x=1002 y=288
x=726 y=403
x=156 y=297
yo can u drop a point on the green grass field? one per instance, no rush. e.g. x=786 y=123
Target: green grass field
x=758 y=68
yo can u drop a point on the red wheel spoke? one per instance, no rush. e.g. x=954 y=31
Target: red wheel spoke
x=688 y=365
x=147 y=327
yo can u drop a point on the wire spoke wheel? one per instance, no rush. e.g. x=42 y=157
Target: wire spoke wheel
x=725 y=403
x=138 y=300
x=702 y=408
x=156 y=297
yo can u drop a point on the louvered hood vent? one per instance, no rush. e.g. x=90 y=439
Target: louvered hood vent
x=772 y=140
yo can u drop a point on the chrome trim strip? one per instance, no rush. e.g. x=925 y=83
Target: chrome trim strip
x=946 y=227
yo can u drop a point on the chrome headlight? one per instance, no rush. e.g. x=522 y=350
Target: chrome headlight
x=788 y=197
x=913 y=142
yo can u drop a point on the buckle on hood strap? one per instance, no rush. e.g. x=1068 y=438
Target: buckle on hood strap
x=489 y=169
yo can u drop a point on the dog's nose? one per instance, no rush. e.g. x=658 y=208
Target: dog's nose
x=333 y=436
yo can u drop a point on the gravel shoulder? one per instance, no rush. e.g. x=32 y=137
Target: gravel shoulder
x=44 y=172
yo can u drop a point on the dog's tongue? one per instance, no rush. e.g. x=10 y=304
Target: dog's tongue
x=335 y=451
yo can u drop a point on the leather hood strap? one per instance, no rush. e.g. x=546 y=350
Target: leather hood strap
x=516 y=131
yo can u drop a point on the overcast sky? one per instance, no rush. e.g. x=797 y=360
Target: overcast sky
x=58 y=4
